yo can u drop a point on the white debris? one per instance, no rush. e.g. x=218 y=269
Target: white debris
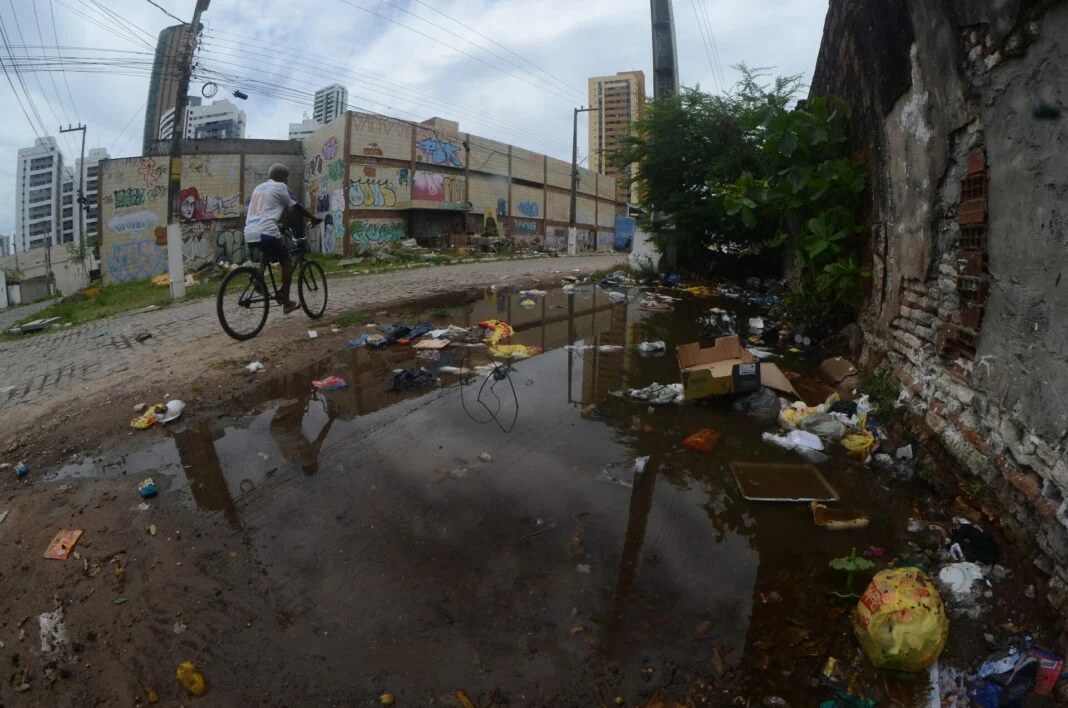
x=254 y=367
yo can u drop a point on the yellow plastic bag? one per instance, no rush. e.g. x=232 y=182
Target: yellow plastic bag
x=191 y=679
x=859 y=444
x=790 y=418
x=501 y=330
x=513 y=351
x=900 y=620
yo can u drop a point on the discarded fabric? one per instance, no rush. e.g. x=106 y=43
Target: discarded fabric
x=411 y=378
x=254 y=367
x=499 y=330
x=704 y=440
x=330 y=383
x=658 y=394
x=513 y=351
x=360 y=341
x=652 y=348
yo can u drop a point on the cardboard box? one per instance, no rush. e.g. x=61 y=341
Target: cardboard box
x=726 y=367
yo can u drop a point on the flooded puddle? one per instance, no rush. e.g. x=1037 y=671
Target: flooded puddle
x=425 y=543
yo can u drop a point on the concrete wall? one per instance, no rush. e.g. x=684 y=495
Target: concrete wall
x=216 y=188
x=68 y=275
x=430 y=181
x=969 y=237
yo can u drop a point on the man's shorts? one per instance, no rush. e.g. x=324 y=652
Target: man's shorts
x=274 y=248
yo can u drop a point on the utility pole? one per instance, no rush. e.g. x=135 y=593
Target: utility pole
x=665 y=82
x=174 y=229
x=572 y=231
x=81 y=195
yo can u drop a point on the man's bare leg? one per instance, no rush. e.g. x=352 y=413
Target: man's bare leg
x=287 y=280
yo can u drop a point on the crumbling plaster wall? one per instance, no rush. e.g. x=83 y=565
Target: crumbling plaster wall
x=969 y=241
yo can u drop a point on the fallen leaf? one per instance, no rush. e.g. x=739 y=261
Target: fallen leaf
x=464 y=700
x=118 y=601
x=719 y=661
x=152 y=529
x=578 y=629
x=704 y=627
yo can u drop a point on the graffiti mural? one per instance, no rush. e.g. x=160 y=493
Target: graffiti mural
x=136 y=221
x=525 y=227
x=556 y=238
x=194 y=207
x=150 y=172
x=336 y=170
x=436 y=187
x=136 y=260
x=333 y=229
x=322 y=204
x=531 y=210
x=131 y=196
x=439 y=152
x=378 y=187
x=330 y=149
x=230 y=246
x=370 y=233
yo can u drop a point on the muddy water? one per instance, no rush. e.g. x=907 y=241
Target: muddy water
x=553 y=569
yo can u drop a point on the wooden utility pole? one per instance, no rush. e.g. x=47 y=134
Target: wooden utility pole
x=174 y=229
x=665 y=83
x=81 y=186
x=572 y=231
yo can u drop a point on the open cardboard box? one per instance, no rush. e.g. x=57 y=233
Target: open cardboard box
x=727 y=367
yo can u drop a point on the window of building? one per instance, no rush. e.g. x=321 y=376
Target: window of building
x=39 y=195
x=41 y=163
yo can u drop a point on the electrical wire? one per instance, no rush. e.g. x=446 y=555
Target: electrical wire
x=500 y=374
x=138 y=112
x=165 y=12
x=18 y=76
x=59 y=53
x=715 y=47
x=704 y=41
x=112 y=16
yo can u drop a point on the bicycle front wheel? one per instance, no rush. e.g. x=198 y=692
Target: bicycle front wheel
x=242 y=303
x=311 y=288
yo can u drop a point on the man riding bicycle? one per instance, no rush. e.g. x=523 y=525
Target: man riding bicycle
x=269 y=202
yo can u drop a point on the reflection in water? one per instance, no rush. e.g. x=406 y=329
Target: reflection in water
x=287 y=429
x=196 y=447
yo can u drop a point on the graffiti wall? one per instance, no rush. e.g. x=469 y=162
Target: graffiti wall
x=324 y=186
x=211 y=187
x=488 y=194
x=528 y=202
x=257 y=168
x=214 y=241
x=437 y=189
x=375 y=187
x=376 y=136
x=556 y=238
x=557 y=206
x=133 y=205
x=526 y=231
x=439 y=147
x=373 y=233
x=585 y=213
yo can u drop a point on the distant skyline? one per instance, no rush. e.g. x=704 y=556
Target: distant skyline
x=279 y=58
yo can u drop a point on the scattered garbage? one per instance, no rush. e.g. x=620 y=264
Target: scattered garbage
x=386 y=699
x=977 y=545
x=527 y=303
x=3 y=515
x=839 y=519
x=900 y=620
x=431 y=344
x=904 y=453
x=22 y=470
x=159 y=413
x=762 y=405
x=406 y=379
x=191 y=679
x=330 y=383
x=859 y=444
x=254 y=367
x=512 y=351
x=850 y=565
x=360 y=341
x=704 y=440
x=312 y=334
x=657 y=394
x=147 y=488
x=652 y=348
x=756 y=325
x=839 y=373
x=485 y=458
x=62 y=544
x=1010 y=674
x=498 y=331
x=617 y=297
x=960 y=579
x=824 y=426
x=838 y=675
x=726 y=367
x=583 y=568
x=759 y=481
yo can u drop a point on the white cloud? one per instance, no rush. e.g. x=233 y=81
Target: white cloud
x=295 y=48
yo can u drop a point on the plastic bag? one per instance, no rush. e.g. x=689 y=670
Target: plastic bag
x=823 y=425
x=786 y=443
x=763 y=405
x=513 y=351
x=657 y=347
x=900 y=621
x=704 y=440
x=501 y=330
x=859 y=444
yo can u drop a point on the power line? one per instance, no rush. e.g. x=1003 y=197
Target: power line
x=18 y=75
x=51 y=78
x=715 y=48
x=139 y=111
x=165 y=12
x=55 y=32
x=121 y=21
x=704 y=41
x=457 y=49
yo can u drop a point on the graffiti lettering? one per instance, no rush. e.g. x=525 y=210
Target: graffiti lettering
x=150 y=172
x=322 y=204
x=373 y=150
x=231 y=247
x=337 y=200
x=158 y=191
x=434 y=187
x=309 y=171
x=372 y=193
x=364 y=123
x=529 y=209
x=367 y=234
x=336 y=170
x=136 y=261
x=525 y=227
x=333 y=226
x=218 y=207
x=131 y=196
x=439 y=152
x=556 y=238
x=330 y=149
x=198 y=252
x=137 y=221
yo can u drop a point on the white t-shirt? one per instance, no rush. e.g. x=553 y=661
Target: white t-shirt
x=269 y=201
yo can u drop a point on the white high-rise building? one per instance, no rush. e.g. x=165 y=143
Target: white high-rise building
x=6 y=244
x=299 y=131
x=330 y=102
x=91 y=174
x=220 y=120
x=38 y=190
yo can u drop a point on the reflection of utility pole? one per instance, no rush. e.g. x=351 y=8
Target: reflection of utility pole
x=174 y=229
x=665 y=80
x=572 y=231
x=81 y=194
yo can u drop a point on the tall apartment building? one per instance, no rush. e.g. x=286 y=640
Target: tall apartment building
x=91 y=174
x=621 y=99
x=163 y=84
x=299 y=131
x=221 y=120
x=166 y=121
x=38 y=190
x=330 y=102
x=6 y=245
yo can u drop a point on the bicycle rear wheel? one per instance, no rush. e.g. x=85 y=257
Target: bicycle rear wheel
x=311 y=289
x=242 y=303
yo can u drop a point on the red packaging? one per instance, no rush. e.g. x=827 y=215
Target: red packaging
x=1049 y=671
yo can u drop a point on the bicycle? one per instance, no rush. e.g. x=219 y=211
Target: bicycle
x=244 y=295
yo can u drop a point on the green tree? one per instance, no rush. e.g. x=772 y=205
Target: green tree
x=691 y=147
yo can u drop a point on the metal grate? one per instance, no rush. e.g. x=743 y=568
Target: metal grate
x=973 y=187
x=973 y=237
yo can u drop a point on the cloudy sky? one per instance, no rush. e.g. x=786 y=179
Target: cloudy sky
x=510 y=70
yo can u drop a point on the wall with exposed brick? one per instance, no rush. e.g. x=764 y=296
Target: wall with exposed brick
x=969 y=240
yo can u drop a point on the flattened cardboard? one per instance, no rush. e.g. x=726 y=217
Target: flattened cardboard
x=836 y=369
x=758 y=481
x=773 y=377
x=431 y=344
x=62 y=544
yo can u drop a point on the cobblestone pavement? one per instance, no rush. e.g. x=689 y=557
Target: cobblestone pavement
x=42 y=367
